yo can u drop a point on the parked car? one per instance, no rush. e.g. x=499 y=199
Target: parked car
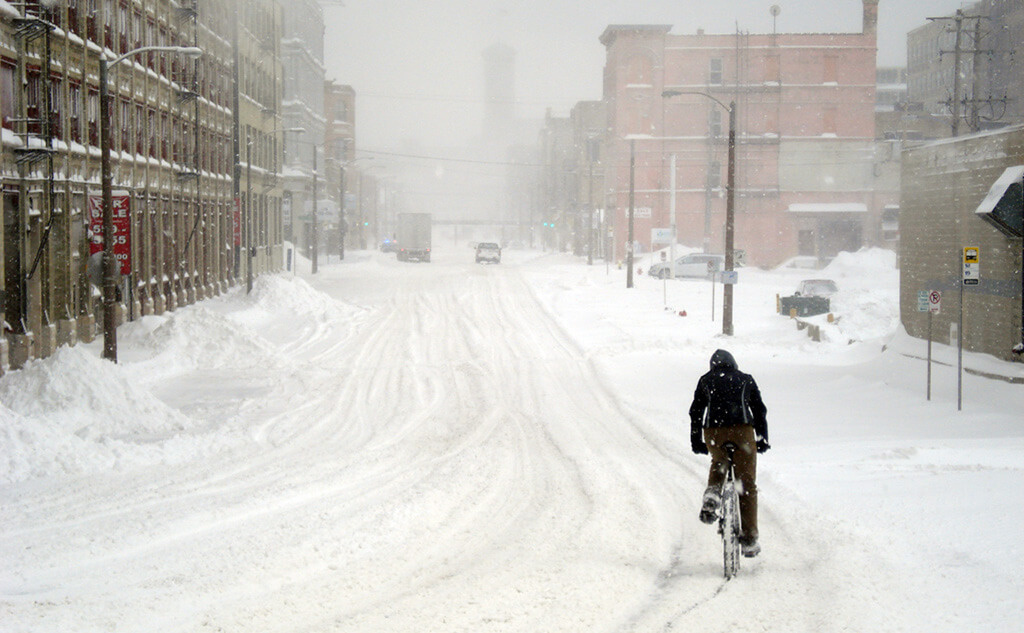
x=816 y=288
x=692 y=265
x=812 y=296
x=807 y=262
x=488 y=252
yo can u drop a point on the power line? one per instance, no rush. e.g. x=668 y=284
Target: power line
x=450 y=160
x=469 y=100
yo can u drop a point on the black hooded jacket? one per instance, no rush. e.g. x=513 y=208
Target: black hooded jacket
x=725 y=396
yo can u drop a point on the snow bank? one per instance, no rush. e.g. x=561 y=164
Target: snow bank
x=75 y=413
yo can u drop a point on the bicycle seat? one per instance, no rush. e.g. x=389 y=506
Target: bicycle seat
x=730 y=447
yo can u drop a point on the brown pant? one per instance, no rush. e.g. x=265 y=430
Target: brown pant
x=745 y=463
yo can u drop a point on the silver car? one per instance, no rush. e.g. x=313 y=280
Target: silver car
x=700 y=265
x=488 y=252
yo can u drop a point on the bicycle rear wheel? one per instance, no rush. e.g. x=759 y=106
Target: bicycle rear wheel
x=729 y=525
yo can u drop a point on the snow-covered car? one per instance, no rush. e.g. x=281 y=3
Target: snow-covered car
x=812 y=296
x=692 y=265
x=806 y=262
x=816 y=288
x=488 y=252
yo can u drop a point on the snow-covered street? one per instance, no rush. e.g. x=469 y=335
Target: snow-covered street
x=457 y=447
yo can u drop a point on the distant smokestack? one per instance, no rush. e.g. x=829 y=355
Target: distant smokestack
x=870 y=17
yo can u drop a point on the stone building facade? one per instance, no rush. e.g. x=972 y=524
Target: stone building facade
x=174 y=150
x=303 y=109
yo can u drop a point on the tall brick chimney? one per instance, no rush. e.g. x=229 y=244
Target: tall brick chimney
x=870 y=17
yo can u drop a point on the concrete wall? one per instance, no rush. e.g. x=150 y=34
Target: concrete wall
x=943 y=183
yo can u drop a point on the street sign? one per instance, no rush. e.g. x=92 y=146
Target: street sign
x=972 y=266
x=934 y=301
x=638 y=212
x=730 y=277
x=661 y=236
x=121 y=211
x=922 y=300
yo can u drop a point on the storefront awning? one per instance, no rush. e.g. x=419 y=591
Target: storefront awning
x=1004 y=204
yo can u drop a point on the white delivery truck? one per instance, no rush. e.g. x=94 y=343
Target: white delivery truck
x=414 y=237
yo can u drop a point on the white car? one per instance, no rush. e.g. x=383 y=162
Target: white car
x=488 y=252
x=701 y=265
x=816 y=288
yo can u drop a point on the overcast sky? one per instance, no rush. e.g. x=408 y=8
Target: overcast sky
x=417 y=70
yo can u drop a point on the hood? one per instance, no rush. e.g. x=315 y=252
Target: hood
x=722 y=359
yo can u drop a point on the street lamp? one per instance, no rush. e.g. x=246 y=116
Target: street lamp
x=342 y=222
x=730 y=201
x=109 y=263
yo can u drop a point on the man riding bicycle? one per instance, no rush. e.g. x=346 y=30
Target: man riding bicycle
x=727 y=408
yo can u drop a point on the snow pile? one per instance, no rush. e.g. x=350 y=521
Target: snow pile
x=273 y=295
x=868 y=301
x=74 y=413
x=80 y=393
x=193 y=338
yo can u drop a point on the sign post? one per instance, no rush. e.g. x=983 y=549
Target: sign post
x=971 y=277
x=929 y=301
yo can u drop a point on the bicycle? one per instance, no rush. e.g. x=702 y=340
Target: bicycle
x=729 y=522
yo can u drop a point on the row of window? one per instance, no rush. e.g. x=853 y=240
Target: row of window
x=639 y=70
x=123 y=25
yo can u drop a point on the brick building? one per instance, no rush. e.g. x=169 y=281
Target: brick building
x=805 y=107
x=340 y=153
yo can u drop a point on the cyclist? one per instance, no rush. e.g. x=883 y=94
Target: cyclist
x=727 y=407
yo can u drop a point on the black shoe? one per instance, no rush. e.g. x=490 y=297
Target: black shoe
x=709 y=511
x=749 y=547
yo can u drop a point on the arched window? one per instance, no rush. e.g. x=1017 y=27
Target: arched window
x=638 y=70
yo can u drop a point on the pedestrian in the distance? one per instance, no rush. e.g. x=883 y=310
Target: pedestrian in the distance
x=727 y=407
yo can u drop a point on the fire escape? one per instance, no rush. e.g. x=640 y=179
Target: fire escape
x=34 y=125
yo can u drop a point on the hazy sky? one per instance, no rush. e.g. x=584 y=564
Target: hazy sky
x=417 y=70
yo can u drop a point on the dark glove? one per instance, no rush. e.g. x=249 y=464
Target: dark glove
x=762 y=445
x=698 y=446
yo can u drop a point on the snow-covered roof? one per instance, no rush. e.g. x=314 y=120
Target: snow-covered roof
x=829 y=207
x=1010 y=176
x=7 y=11
x=1008 y=217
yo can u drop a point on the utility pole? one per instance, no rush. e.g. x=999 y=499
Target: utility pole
x=976 y=80
x=730 y=223
x=342 y=222
x=959 y=19
x=632 y=189
x=314 y=238
x=236 y=142
x=590 y=206
x=956 y=102
x=250 y=249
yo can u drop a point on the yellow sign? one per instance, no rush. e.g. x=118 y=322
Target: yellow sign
x=970 y=254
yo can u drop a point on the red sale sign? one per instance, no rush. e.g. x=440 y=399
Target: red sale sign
x=121 y=208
